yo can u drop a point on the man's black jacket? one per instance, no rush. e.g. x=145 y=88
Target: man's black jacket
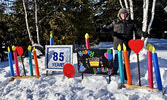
x=123 y=32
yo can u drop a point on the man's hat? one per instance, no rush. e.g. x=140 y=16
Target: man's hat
x=123 y=10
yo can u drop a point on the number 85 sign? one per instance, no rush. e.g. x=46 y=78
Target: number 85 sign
x=57 y=55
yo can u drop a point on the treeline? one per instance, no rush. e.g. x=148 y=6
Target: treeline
x=68 y=20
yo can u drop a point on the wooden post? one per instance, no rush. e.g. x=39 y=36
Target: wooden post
x=138 y=65
x=23 y=66
x=109 y=79
x=82 y=76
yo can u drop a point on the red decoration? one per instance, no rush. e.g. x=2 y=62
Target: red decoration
x=136 y=45
x=69 y=70
x=19 y=50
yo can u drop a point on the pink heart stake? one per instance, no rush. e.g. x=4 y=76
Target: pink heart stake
x=19 y=50
x=136 y=45
x=106 y=55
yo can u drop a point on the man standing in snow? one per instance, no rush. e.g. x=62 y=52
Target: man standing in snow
x=123 y=29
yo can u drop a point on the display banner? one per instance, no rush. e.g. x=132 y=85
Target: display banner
x=95 y=61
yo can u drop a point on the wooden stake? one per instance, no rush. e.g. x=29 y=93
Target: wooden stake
x=22 y=77
x=109 y=79
x=138 y=65
x=141 y=87
x=23 y=65
x=82 y=76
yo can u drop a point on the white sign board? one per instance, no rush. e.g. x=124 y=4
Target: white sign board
x=165 y=8
x=56 y=56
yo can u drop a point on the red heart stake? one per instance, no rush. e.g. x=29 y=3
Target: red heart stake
x=136 y=45
x=19 y=50
x=68 y=70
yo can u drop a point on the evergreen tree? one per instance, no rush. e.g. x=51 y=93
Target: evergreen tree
x=69 y=21
x=106 y=13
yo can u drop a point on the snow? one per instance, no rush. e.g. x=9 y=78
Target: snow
x=58 y=87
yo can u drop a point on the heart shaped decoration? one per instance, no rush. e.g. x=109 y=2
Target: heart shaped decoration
x=136 y=45
x=106 y=55
x=19 y=50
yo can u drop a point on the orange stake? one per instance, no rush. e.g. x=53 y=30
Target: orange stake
x=36 y=62
x=126 y=60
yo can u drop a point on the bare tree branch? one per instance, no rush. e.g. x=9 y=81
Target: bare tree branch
x=36 y=20
x=120 y=1
x=152 y=16
x=145 y=14
x=131 y=9
x=126 y=4
x=28 y=30
x=151 y=21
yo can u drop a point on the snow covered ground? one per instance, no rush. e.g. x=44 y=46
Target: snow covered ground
x=58 y=87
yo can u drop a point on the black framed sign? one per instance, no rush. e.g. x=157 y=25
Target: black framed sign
x=95 y=61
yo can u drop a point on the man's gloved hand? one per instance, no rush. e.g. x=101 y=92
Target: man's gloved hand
x=145 y=34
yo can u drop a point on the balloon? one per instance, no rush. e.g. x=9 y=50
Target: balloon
x=110 y=56
x=106 y=55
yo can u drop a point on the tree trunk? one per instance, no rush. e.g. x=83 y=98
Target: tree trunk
x=131 y=9
x=126 y=4
x=132 y=15
x=120 y=1
x=36 y=21
x=145 y=15
x=28 y=30
x=152 y=18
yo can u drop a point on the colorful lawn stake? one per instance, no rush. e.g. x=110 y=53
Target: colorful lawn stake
x=15 y=60
x=69 y=70
x=102 y=69
x=126 y=60
x=98 y=70
x=51 y=39
x=20 y=52
x=36 y=62
x=110 y=56
x=106 y=55
x=87 y=41
x=30 y=60
x=120 y=62
x=10 y=62
x=82 y=68
x=136 y=46
x=149 y=65
x=157 y=71
x=94 y=70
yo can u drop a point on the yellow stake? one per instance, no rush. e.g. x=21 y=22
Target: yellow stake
x=8 y=49
x=34 y=48
x=124 y=47
x=153 y=49
x=29 y=48
x=119 y=47
x=86 y=36
x=13 y=48
x=149 y=47
x=51 y=35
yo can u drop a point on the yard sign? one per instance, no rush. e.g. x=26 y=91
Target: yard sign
x=56 y=56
